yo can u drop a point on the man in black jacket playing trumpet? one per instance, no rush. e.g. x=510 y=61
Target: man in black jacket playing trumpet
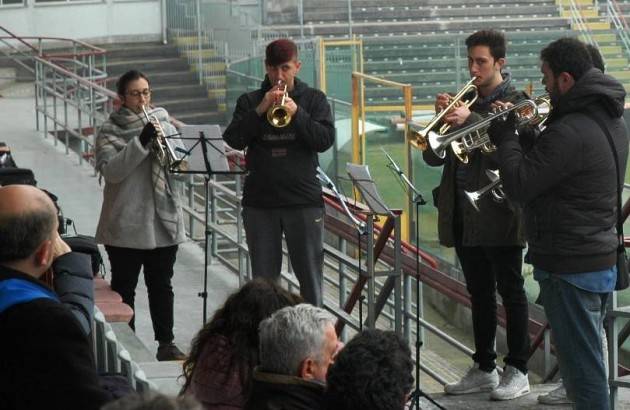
x=567 y=184
x=488 y=243
x=282 y=193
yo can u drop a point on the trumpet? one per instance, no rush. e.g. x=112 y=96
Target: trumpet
x=278 y=114
x=467 y=139
x=161 y=146
x=418 y=138
x=495 y=188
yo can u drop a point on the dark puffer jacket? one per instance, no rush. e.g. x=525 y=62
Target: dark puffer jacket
x=280 y=392
x=498 y=224
x=567 y=181
x=282 y=162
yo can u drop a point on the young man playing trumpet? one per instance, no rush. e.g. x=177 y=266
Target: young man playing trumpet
x=488 y=243
x=282 y=193
x=141 y=222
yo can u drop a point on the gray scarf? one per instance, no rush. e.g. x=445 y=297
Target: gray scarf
x=124 y=125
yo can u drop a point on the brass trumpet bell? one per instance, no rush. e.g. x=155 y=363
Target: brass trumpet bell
x=278 y=114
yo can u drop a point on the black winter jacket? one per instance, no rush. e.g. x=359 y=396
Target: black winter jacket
x=567 y=181
x=282 y=162
x=45 y=355
x=279 y=392
x=497 y=224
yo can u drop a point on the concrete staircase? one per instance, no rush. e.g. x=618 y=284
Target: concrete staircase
x=174 y=81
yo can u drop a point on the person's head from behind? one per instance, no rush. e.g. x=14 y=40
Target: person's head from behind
x=486 y=56
x=281 y=62
x=596 y=56
x=134 y=90
x=298 y=341
x=238 y=321
x=153 y=401
x=373 y=372
x=28 y=229
x=564 y=62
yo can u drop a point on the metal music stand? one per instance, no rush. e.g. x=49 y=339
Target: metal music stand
x=363 y=182
x=416 y=197
x=204 y=150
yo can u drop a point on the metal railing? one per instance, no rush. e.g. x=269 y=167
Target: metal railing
x=615 y=16
x=579 y=21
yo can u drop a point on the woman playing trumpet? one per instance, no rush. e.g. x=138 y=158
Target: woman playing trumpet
x=141 y=222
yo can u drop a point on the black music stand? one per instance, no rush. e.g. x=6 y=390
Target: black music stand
x=204 y=150
x=363 y=182
x=416 y=197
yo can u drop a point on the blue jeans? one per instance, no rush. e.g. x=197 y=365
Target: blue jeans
x=576 y=318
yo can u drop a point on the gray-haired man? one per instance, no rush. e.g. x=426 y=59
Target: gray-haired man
x=297 y=345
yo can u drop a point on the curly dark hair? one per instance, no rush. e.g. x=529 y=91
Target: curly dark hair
x=568 y=55
x=238 y=321
x=373 y=372
x=495 y=40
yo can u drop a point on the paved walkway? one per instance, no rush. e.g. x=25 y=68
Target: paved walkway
x=80 y=198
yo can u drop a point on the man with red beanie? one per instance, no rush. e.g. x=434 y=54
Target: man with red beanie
x=282 y=193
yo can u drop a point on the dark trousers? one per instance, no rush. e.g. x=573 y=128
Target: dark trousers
x=488 y=269
x=158 y=270
x=304 y=233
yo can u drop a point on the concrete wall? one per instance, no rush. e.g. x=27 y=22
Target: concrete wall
x=96 y=21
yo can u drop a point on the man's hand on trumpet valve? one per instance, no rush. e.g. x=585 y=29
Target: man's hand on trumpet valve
x=458 y=115
x=441 y=101
x=501 y=128
x=147 y=134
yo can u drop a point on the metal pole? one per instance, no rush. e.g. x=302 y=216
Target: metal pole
x=199 y=59
x=369 y=262
x=164 y=22
x=350 y=18
x=301 y=17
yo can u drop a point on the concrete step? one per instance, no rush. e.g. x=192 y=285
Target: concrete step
x=138 y=51
x=193 y=90
x=203 y=118
x=149 y=66
x=182 y=106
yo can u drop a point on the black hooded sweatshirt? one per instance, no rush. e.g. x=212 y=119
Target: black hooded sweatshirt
x=282 y=162
x=567 y=181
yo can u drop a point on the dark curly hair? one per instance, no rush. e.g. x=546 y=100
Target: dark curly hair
x=238 y=322
x=495 y=40
x=373 y=372
x=125 y=79
x=568 y=55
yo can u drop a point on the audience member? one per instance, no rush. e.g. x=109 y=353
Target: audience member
x=46 y=356
x=373 y=372
x=297 y=344
x=225 y=351
x=154 y=401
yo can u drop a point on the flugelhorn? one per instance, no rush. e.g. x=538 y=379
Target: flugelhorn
x=418 y=137
x=495 y=188
x=161 y=146
x=474 y=136
x=278 y=114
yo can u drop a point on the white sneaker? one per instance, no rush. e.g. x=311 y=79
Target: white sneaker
x=474 y=381
x=513 y=384
x=557 y=396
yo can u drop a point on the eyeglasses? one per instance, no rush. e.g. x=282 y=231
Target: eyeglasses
x=138 y=93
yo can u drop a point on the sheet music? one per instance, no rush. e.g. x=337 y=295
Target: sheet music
x=214 y=142
x=362 y=180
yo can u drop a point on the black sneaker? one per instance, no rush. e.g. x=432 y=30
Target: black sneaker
x=168 y=352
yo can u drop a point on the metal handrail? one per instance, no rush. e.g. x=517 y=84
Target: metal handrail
x=577 y=18
x=620 y=23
